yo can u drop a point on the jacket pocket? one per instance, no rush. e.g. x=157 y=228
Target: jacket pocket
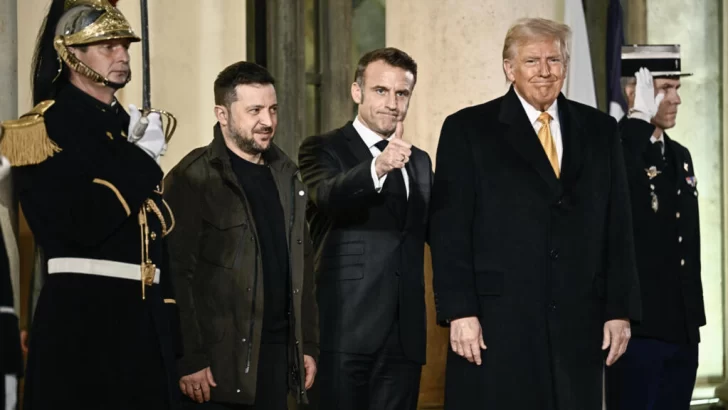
x=344 y=261
x=489 y=283
x=214 y=329
x=223 y=238
x=345 y=249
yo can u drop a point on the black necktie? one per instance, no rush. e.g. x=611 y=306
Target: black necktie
x=382 y=145
x=394 y=188
x=654 y=156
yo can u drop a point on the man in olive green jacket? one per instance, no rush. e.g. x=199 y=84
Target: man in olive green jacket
x=241 y=257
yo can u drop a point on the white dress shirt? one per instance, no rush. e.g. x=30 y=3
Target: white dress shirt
x=654 y=140
x=555 y=124
x=370 y=138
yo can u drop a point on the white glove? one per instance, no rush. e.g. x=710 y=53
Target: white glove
x=153 y=140
x=646 y=102
x=4 y=166
x=11 y=391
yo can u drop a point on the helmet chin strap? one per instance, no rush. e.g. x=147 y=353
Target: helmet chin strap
x=114 y=85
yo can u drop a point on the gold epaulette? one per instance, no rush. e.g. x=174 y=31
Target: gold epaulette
x=25 y=141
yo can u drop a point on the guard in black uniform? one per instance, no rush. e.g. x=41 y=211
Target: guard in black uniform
x=659 y=367
x=11 y=360
x=105 y=334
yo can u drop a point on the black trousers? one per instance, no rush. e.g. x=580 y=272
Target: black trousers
x=652 y=375
x=271 y=391
x=385 y=380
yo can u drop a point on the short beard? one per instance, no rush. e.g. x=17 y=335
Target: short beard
x=246 y=143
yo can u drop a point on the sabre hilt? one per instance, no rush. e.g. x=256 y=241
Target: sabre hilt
x=169 y=124
x=141 y=126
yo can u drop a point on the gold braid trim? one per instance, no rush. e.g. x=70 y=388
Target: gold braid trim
x=116 y=192
x=152 y=206
x=25 y=141
x=171 y=217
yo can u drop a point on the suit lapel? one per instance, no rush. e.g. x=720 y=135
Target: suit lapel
x=522 y=137
x=356 y=145
x=572 y=135
x=678 y=161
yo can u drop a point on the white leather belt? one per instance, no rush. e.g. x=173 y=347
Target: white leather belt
x=111 y=269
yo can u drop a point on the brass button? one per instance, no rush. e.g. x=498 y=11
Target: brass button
x=678 y=192
x=123 y=134
x=110 y=135
x=682 y=262
x=677 y=215
x=679 y=239
x=153 y=235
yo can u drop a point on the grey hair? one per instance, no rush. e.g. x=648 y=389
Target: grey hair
x=530 y=29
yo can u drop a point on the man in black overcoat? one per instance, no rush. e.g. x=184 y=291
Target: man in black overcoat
x=531 y=237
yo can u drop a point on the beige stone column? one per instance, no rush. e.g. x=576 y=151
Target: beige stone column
x=458 y=48
x=9 y=110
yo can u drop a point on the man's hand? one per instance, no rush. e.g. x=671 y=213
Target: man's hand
x=646 y=103
x=196 y=386
x=466 y=338
x=617 y=333
x=395 y=156
x=310 y=365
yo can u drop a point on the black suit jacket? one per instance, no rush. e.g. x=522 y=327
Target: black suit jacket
x=542 y=262
x=368 y=270
x=667 y=266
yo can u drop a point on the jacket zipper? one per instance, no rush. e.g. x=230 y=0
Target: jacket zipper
x=252 y=312
x=292 y=316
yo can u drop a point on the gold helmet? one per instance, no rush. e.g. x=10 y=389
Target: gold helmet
x=85 y=22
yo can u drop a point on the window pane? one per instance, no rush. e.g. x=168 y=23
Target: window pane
x=369 y=26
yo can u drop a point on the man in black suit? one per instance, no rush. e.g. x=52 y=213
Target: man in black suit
x=658 y=370
x=531 y=239
x=369 y=191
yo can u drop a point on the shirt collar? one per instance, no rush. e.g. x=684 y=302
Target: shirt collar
x=533 y=113
x=370 y=137
x=654 y=139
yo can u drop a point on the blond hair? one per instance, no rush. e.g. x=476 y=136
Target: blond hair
x=527 y=30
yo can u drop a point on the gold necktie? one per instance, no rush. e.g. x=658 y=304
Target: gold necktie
x=547 y=141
